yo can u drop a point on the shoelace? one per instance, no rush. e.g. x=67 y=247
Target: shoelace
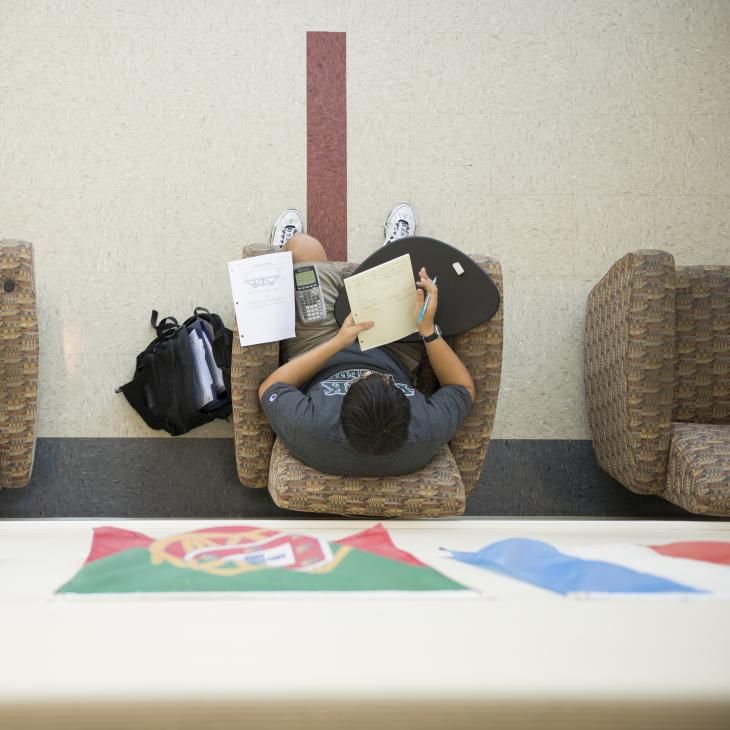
x=401 y=230
x=287 y=233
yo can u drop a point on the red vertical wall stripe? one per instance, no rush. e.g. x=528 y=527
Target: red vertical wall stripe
x=327 y=142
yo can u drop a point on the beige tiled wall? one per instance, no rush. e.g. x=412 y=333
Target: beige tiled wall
x=143 y=141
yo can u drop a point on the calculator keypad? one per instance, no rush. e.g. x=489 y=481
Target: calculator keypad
x=311 y=305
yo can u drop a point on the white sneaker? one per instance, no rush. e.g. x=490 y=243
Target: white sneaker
x=288 y=224
x=400 y=223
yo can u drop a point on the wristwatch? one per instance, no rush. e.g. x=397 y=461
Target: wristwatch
x=433 y=336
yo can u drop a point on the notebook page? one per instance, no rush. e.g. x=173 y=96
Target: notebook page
x=385 y=294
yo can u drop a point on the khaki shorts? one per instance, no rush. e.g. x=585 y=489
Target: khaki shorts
x=310 y=334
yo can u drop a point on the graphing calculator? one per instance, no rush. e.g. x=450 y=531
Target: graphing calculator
x=310 y=302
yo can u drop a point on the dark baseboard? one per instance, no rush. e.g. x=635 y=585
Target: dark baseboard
x=159 y=477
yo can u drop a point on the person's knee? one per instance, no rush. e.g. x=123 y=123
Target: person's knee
x=305 y=248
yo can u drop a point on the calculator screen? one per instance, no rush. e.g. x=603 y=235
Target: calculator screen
x=304 y=278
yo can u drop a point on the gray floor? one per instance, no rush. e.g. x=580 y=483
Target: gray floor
x=79 y=477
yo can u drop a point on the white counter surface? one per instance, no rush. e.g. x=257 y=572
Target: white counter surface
x=509 y=652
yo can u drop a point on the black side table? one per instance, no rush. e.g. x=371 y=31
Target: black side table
x=465 y=300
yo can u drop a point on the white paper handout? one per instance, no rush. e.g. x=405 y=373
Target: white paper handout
x=385 y=294
x=263 y=296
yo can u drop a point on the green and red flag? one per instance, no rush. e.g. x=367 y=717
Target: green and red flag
x=250 y=558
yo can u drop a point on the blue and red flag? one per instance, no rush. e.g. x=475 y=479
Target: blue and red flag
x=688 y=568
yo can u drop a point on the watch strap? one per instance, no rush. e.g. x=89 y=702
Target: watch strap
x=433 y=336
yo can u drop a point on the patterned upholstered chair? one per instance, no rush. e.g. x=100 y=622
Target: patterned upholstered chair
x=657 y=374
x=18 y=363
x=437 y=490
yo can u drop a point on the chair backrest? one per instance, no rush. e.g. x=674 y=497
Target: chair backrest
x=18 y=363
x=702 y=345
x=629 y=368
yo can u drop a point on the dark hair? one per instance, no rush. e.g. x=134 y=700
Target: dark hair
x=375 y=416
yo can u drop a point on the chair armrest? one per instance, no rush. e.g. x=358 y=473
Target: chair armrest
x=480 y=349
x=629 y=368
x=702 y=370
x=253 y=435
x=18 y=363
x=250 y=366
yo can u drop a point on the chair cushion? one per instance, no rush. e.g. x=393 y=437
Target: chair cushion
x=434 y=491
x=698 y=476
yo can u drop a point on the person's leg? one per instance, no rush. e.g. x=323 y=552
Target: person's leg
x=306 y=249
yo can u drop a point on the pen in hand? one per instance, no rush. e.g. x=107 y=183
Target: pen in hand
x=426 y=301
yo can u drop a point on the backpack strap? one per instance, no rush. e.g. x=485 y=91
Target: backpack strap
x=165 y=325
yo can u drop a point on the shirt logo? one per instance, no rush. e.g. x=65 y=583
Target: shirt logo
x=339 y=383
x=273 y=397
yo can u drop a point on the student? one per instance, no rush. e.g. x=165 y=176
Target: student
x=344 y=411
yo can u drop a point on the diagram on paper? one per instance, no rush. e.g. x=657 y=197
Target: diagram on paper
x=265 y=275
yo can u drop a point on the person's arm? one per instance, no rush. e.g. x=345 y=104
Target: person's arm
x=447 y=367
x=301 y=369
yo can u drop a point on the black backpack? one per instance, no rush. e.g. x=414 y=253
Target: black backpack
x=163 y=388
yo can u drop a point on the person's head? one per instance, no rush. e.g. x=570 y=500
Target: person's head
x=375 y=415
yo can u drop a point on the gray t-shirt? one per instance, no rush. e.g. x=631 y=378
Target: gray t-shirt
x=308 y=421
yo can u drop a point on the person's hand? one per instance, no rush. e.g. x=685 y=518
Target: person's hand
x=349 y=331
x=426 y=286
